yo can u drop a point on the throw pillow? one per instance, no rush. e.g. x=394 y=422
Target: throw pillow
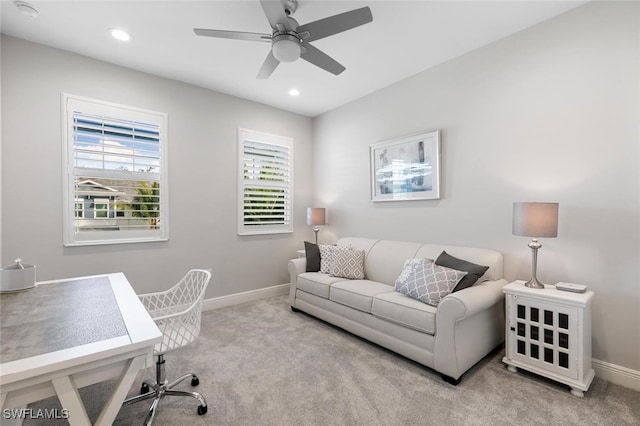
x=409 y=268
x=474 y=272
x=312 y=253
x=427 y=282
x=326 y=257
x=348 y=263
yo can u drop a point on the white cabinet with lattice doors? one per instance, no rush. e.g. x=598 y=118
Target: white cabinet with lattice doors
x=549 y=333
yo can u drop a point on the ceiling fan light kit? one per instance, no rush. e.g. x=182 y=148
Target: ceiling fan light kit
x=290 y=41
x=286 y=48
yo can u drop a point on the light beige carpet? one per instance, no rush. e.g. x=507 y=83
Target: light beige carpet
x=261 y=364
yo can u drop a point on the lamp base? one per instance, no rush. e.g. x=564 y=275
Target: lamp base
x=534 y=283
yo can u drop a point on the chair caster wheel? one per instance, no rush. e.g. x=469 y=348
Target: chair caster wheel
x=144 y=389
x=202 y=410
x=195 y=382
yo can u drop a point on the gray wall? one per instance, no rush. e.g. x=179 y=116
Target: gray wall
x=550 y=114
x=202 y=175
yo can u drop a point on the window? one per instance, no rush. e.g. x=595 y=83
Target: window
x=79 y=208
x=115 y=176
x=101 y=208
x=265 y=183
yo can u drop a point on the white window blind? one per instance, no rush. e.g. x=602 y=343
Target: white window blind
x=265 y=183
x=115 y=174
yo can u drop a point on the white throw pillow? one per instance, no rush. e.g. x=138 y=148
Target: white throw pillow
x=326 y=257
x=348 y=263
x=427 y=282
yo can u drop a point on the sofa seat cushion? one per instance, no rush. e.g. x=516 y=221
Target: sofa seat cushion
x=317 y=283
x=404 y=310
x=357 y=294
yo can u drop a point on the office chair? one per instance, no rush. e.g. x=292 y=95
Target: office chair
x=176 y=312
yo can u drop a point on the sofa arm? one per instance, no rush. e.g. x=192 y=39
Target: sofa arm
x=469 y=324
x=474 y=299
x=296 y=267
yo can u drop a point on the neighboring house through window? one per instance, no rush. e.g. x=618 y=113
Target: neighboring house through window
x=115 y=189
x=265 y=183
x=79 y=208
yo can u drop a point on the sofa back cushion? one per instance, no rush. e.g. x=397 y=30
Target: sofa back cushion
x=384 y=258
x=479 y=256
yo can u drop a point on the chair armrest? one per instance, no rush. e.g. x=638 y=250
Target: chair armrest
x=296 y=267
x=469 y=324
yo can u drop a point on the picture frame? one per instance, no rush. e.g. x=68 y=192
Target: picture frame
x=406 y=168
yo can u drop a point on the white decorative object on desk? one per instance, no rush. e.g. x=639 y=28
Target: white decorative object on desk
x=17 y=277
x=549 y=333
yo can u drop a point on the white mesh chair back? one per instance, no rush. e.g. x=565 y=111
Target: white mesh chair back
x=177 y=311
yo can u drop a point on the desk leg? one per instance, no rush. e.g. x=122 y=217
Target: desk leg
x=70 y=399
x=113 y=405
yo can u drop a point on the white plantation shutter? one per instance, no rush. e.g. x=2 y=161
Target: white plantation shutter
x=115 y=174
x=265 y=183
x=105 y=143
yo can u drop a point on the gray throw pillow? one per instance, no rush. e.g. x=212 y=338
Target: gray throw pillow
x=312 y=253
x=348 y=263
x=474 y=272
x=427 y=282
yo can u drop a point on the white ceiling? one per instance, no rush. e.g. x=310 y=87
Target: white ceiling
x=405 y=37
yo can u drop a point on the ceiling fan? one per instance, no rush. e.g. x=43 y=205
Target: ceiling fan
x=290 y=40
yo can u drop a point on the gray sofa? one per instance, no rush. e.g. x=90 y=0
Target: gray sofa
x=450 y=338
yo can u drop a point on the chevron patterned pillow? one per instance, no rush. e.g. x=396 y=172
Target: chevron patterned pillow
x=348 y=263
x=427 y=282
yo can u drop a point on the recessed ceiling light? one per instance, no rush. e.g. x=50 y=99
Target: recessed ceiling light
x=294 y=92
x=26 y=9
x=119 y=34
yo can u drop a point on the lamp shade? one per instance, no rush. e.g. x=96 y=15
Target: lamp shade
x=537 y=220
x=315 y=216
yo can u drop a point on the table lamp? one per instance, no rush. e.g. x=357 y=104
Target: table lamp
x=536 y=220
x=316 y=217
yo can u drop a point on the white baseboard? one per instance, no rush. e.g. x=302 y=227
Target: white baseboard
x=617 y=374
x=247 y=296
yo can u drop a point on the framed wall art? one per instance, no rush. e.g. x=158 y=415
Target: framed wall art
x=406 y=168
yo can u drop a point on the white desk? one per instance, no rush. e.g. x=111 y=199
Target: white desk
x=63 y=335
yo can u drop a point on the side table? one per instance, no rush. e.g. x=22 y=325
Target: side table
x=549 y=333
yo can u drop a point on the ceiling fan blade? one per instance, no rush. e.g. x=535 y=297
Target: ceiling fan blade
x=269 y=65
x=275 y=14
x=336 y=24
x=320 y=59
x=235 y=35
